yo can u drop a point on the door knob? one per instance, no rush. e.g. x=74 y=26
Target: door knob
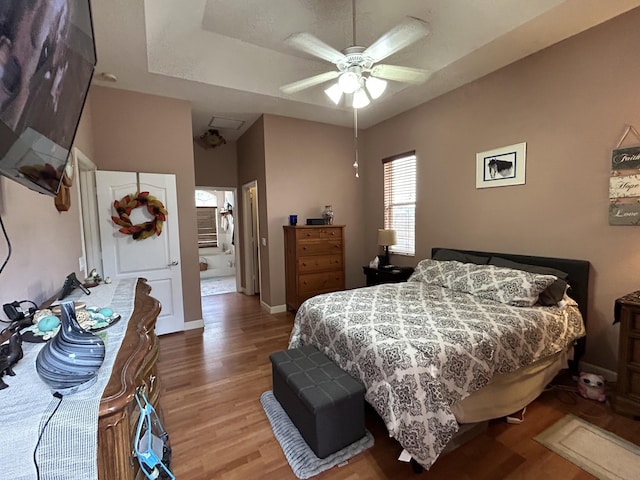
x=173 y=264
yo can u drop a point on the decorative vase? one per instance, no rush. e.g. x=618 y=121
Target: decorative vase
x=327 y=215
x=69 y=362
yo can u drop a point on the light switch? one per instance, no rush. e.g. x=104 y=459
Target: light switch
x=264 y=242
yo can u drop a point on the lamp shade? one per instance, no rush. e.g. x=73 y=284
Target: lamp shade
x=375 y=86
x=360 y=99
x=387 y=236
x=349 y=81
x=334 y=92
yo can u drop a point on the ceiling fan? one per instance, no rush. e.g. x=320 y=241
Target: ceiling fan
x=358 y=71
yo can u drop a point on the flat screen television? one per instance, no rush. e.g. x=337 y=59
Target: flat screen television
x=47 y=58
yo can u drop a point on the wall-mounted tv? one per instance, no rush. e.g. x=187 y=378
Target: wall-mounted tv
x=47 y=58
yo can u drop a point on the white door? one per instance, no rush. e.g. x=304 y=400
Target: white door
x=156 y=258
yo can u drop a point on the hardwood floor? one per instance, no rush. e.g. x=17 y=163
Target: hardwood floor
x=212 y=383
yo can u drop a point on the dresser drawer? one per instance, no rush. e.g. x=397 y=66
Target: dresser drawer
x=634 y=322
x=319 y=262
x=320 y=282
x=318 y=233
x=318 y=247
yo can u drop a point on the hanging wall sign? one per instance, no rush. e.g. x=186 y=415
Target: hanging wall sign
x=625 y=159
x=624 y=183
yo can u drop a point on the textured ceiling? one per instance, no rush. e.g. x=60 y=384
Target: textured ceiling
x=229 y=57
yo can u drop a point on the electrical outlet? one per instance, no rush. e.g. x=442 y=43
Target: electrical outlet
x=264 y=242
x=82 y=264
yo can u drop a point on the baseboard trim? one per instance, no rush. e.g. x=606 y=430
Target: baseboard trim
x=609 y=375
x=193 y=325
x=272 y=310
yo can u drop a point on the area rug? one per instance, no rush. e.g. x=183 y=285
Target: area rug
x=601 y=453
x=301 y=458
x=216 y=285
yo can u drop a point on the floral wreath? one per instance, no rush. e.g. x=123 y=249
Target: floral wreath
x=141 y=230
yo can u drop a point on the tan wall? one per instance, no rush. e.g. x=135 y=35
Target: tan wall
x=146 y=133
x=251 y=167
x=310 y=165
x=570 y=103
x=46 y=244
x=216 y=167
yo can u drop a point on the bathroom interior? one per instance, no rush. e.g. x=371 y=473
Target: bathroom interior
x=216 y=249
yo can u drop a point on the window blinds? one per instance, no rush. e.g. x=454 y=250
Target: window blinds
x=400 y=201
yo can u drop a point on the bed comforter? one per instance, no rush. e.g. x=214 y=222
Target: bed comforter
x=421 y=348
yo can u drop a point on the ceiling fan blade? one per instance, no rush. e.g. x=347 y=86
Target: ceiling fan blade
x=314 y=46
x=400 y=74
x=309 y=82
x=399 y=37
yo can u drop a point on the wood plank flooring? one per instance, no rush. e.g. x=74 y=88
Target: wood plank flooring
x=212 y=383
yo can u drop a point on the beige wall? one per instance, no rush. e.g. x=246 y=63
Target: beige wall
x=146 y=133
x=216 y=167
x=570 y=103
x=46 y=244
x=251 y=167
x=310 y=165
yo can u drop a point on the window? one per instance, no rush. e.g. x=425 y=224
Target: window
x=207 y=231
x=400 y=201
x=206 y=208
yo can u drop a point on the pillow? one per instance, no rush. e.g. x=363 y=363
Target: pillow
x=444 y=255
x=551 y=295
x=427 y=272
x=505 y=285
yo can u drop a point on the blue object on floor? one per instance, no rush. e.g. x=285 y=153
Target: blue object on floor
x=302 y=460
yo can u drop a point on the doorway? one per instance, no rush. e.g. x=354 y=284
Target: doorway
x=217 y=252
x=251 y=238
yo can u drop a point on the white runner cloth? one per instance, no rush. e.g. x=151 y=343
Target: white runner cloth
x=69 y=445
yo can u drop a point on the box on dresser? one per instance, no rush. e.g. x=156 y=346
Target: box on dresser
x=314 y=261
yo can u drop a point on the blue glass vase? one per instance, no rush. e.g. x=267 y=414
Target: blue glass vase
x=69 y=362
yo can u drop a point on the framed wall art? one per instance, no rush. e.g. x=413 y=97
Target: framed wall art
x=501 y=167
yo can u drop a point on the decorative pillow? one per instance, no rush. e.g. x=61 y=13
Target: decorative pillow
x=504 y=285
x=551 y=295
x=431 y=272
x=447 y=255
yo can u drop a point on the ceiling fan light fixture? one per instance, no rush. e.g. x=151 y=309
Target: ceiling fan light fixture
x=375 y=86
x=360 y=99
x=334 y=92
x=349 y=81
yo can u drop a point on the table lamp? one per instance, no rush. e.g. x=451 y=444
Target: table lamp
x=386 y=237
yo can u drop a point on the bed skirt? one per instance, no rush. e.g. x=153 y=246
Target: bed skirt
x=510 y=392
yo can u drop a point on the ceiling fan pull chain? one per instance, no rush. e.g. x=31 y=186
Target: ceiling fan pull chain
x=355 y=140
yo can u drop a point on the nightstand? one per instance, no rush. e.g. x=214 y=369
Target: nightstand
x=376 y=276
x=626 y=399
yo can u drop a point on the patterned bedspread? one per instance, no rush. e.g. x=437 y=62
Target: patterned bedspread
x=420 y=348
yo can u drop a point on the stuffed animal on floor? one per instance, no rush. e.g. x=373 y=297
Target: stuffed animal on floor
x=591 y=386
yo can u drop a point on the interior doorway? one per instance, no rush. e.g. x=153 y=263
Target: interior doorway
x=251 y=238
x=217 y=240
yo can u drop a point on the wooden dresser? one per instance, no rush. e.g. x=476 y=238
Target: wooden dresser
x=135 y=366
x=314 y=261
x=626 y=399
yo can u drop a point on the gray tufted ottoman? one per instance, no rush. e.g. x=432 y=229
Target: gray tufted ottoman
x=324 y=403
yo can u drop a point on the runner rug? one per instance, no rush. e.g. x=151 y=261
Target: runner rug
x=601 y=453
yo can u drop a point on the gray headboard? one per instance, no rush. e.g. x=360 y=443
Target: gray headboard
x=578 y=271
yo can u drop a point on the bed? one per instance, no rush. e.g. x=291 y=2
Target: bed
x=459 y=342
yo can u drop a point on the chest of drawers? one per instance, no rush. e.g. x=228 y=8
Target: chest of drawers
x=314 y=261
x=626 y=399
